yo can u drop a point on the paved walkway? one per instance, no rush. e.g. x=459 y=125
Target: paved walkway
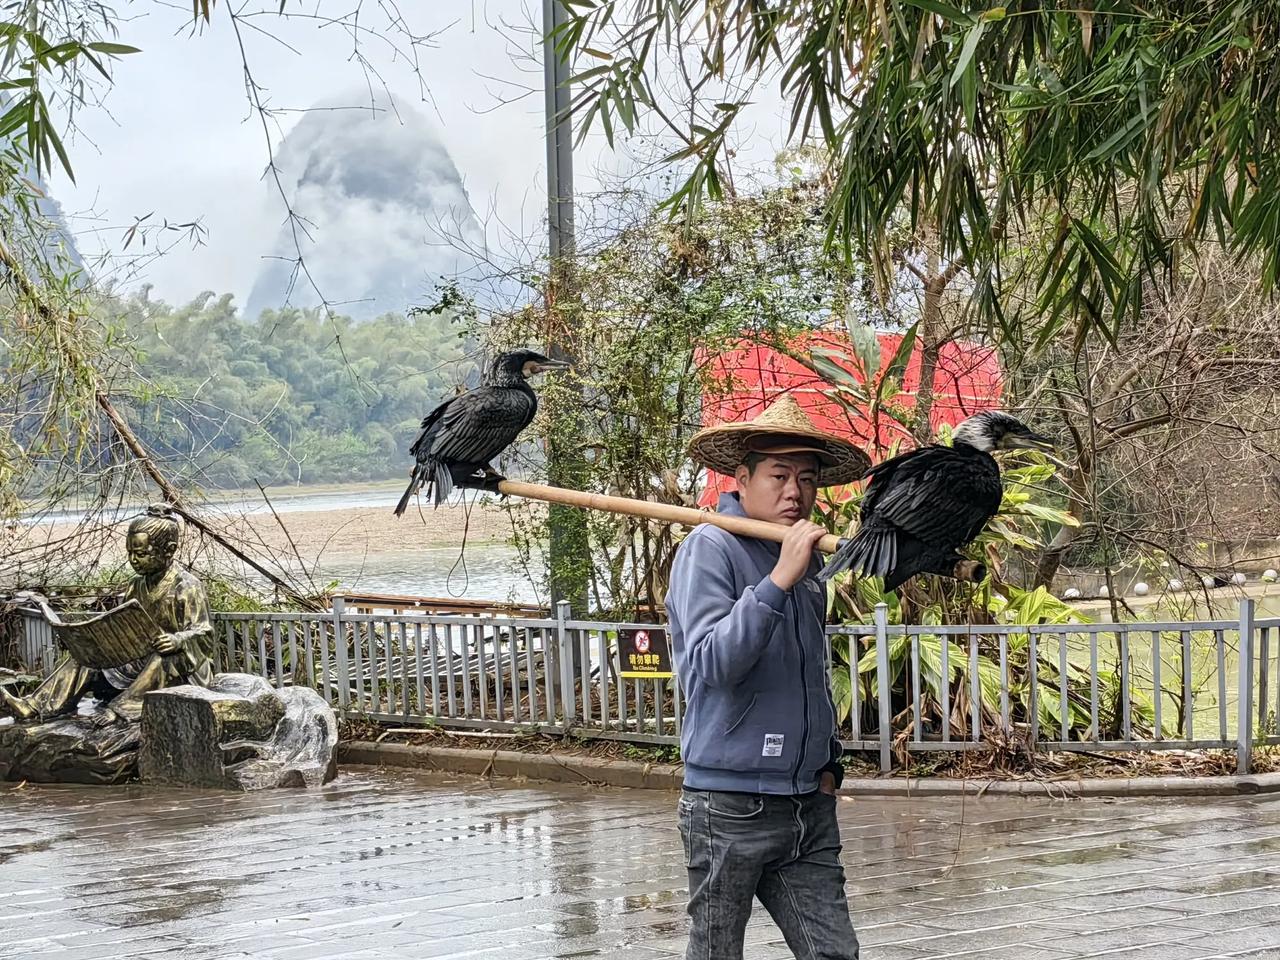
x=382 y=866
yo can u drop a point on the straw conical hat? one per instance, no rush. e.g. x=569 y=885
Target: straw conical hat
x=781 y=428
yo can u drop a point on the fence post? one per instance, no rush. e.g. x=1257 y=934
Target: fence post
x=1244 y=705
x=340 y=649
x=564 y=653
x=882 y=686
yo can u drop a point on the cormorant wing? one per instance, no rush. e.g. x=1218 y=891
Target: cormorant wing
x=479 y=425
x=937 y=495
x=430 y=423
x=881 y=478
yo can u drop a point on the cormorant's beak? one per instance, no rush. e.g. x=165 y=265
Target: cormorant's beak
x=1033 y=441
x=549 y=365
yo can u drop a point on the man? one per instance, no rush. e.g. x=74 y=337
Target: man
x=758 y=811
x=175 y=601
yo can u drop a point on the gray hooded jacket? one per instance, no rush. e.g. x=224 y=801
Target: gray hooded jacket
x=752 y=664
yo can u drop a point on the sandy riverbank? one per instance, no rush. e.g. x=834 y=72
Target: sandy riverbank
x=356 y=529
x=339 y=535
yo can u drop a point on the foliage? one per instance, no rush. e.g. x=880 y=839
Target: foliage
x=230 y=401
x=647 y=297
x=1077 y=148
x=1169 y=429
x=52 y=56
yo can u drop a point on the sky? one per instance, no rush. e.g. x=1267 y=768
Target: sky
x=177 y=138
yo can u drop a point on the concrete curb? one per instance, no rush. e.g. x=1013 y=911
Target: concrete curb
x=558 y=768
x=567 y=768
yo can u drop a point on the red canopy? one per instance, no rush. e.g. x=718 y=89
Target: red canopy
x=967 y=381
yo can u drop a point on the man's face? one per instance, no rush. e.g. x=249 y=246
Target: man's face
x=148 y=556
x=782 y=489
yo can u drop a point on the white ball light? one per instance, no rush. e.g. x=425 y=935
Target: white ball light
x=1103 y=591
x=1270 y=576
x=1176 y=584
x=1141 y=589
x=1071 y=593
x=1238 y=578
x=1207 y=581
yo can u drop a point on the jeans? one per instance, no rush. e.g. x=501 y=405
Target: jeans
x=783 y=850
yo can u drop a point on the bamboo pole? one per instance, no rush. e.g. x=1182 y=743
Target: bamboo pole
x=666 y=512
x=969 y=570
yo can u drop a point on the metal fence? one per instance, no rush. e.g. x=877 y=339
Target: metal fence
x=1096 y=687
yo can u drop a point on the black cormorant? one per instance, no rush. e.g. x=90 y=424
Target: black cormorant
x=463 y=434
x=923 y=506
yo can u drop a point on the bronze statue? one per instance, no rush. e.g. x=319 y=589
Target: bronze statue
x=165 y=601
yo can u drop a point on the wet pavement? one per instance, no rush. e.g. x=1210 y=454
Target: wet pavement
x=391 y=865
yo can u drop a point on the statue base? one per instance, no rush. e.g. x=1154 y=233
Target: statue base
x=70 y=750
x=240 y=733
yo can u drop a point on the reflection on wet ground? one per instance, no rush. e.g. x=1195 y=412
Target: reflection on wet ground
x=404 y=865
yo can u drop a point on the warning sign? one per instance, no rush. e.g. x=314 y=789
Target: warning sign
x=645 y=653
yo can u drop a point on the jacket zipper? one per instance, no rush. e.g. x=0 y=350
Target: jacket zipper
x=804 y=691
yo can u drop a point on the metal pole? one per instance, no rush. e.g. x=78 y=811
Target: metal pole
x=883 y=691
x=1244 y=735
x=568 y=532
x=559 y=135
x=568 y=663
x=340 y=651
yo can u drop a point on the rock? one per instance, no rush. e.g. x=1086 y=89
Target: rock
x=238 y=734
x=70 y=750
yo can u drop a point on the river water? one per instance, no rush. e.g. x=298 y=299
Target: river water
x=390 y=559
x=488 y=571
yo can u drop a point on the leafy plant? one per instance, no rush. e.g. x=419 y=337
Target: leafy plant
x=1075 y=148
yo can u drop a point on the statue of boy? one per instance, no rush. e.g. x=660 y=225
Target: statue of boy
x=174 y=599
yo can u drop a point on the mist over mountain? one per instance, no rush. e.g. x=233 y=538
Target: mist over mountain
x=384 y=211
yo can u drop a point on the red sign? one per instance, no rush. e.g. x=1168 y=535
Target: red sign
x=967 y=380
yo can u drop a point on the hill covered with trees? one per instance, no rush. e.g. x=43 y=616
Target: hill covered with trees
x=289 y=396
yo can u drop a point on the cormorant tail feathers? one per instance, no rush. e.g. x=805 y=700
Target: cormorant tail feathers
x=439 y=481
x=869 y=553
x=408 y=494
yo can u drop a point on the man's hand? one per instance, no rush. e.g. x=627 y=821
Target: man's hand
x=797 y=553
x=827 y=784
x=166 y=644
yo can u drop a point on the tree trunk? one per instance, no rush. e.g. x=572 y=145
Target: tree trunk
x=569 y=546
x=930 y=336
x=1050 y=562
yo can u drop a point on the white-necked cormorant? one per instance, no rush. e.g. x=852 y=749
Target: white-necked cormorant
x=923 y=506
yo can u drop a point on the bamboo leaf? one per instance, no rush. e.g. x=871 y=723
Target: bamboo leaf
x=944 y=10
x=971 y=41
x=112 y=49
